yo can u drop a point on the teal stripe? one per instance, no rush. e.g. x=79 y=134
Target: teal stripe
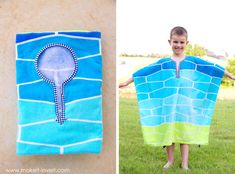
x=87 y=109
x=68 y=133
x=29 y=112
x=90 y=147
x=28 y=149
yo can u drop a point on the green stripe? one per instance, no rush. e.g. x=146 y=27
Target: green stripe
x=168 y=133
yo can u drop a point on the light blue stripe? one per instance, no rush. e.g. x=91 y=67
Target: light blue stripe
x=161 y=75
x=195 y=76
x=155 y=85
x=217 y=81
x=192 y=93
x=144 y=113
x=157 y=111
x=150 y=103
x=143 y=87
x=162 y=93
x=213 y=88
x=212 y=97
x=177 y=117
x=139 y=80
x=202 y=86
x=152 y=121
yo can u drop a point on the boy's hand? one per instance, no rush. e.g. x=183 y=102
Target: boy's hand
x=122 y=85
x=229 y=75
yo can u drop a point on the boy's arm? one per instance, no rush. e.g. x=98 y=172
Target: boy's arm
x=130 y=80
x=229 y=75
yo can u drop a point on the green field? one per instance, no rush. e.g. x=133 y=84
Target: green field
x=215 y=158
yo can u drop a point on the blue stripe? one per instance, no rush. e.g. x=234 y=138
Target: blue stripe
x=81 y=47
x=206 y=70
x=169 y=65
x=78 y=89
x=147 y=70
x=90 y=67
x=94 y=34
x=26 y=72
x=73 y=90
x=197 y=60
x=37 y=91
x=87 y=68
x=26 y=36
x=187 y=65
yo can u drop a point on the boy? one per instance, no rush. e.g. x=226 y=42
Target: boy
x=183 y=91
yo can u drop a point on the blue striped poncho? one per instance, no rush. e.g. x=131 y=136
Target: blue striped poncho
x=177 y=106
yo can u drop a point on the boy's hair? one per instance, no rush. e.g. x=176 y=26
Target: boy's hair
x=179 y=31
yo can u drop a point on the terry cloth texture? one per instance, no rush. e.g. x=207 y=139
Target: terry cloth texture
x=59 y=79
x=177 y=106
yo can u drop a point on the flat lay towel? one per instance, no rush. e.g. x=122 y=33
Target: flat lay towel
x=59 y=79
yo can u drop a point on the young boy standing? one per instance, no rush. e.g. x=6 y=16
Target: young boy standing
x=176 y=97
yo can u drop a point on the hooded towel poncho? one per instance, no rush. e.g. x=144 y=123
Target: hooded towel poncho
x=177 y=106
x=59 y=79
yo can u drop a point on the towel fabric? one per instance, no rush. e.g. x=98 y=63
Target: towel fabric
x=59 y=79
x=177 y=106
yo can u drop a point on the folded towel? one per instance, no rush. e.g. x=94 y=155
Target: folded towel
x=59 y=79
x=177 y=106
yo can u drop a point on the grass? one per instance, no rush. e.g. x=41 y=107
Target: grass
x=216 y=158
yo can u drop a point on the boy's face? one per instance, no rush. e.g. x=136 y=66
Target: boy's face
x=178 y=44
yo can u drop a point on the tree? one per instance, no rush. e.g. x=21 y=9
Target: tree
x=195 y=50
x=231 y=68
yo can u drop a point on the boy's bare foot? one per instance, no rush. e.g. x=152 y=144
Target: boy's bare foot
x=168 y=165
x=184 y=166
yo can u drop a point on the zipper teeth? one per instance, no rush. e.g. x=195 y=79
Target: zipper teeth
x=177 y=70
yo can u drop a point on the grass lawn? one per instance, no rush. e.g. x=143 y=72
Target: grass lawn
x=215 y=158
